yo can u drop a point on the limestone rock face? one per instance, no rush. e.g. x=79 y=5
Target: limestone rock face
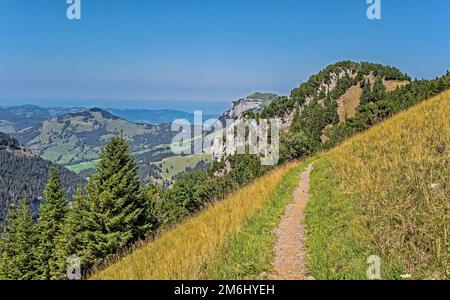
x=254 y=103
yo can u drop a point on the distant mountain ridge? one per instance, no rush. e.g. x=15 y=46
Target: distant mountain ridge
x=74 y=136
x=17 y=118
x=156 y=117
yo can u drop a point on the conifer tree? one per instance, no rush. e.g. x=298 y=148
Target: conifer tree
x=366 y=95
x=17 y=244
x=51 y=220
x=379 y=90
x=72 y=240
x=118 y=213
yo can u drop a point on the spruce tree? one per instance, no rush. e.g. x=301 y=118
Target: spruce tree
x=379 y=90
x=52 y=214
x=118 y=213
x=366 y=95
x=17 y=244
x=72 y=240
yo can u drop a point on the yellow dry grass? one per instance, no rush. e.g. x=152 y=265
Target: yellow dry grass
x=398 y=176
x=392 y=85
x=348 y=103
x=186 y=251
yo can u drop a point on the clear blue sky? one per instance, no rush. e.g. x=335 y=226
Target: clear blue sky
x=212 y=50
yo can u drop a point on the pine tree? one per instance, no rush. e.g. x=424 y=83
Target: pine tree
x=51 y=219
x=72 y=240
x=379 y=90
x=17 y=244
x=118 y=213
x=366 y=95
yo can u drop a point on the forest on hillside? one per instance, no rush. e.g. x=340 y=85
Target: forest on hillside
x=23 y=173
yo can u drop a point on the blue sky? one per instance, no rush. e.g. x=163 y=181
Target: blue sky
x=208 y=50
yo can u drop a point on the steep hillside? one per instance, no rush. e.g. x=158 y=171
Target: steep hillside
x=385 y=192
x=23 y=173
x=333 y=96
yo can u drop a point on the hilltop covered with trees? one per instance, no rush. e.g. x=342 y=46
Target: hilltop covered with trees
x=316 y=110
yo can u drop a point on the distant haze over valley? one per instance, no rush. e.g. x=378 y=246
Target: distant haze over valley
x=207 y=107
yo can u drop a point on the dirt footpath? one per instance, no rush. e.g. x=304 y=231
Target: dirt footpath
x=288 y=263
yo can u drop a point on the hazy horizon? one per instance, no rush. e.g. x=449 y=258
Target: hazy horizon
x=208 y=107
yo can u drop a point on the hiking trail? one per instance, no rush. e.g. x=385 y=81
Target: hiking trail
x=288 y=263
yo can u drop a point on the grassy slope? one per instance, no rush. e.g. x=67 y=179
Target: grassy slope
x=83 y=166
x=172 y=166
x=194 y=249
x=385 y=192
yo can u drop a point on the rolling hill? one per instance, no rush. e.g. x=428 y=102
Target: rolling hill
x=74 y=139
x=77 y=137
x=14 y=119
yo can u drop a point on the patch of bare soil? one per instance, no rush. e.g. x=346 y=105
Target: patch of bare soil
x=348 y=103
x=392 y=85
